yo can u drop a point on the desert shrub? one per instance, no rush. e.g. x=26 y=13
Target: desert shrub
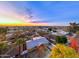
x=62 y=51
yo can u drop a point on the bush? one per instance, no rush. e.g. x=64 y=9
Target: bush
x=77 y=32
x=49 y=29
x=61 y=39
x=62 y=51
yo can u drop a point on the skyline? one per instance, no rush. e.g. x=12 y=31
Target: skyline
x=42 y=12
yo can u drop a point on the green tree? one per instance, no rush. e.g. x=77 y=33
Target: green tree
x=61 y=39
x=3 y=30
x=3 y=47
x=49 y=29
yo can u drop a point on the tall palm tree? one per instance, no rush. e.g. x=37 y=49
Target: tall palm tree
x=3 y=47
x=3 y=32
x=20 y=42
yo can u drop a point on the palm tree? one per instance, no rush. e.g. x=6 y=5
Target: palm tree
x=20 y=42
x=74 y=27
x=3 y=47
x=3 y=32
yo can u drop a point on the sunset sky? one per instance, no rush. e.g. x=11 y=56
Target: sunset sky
x=39 y=13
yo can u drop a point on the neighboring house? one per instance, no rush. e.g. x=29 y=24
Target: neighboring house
x=59 y=33
x=54 y=33
x=36 y=42
x=39 y=47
